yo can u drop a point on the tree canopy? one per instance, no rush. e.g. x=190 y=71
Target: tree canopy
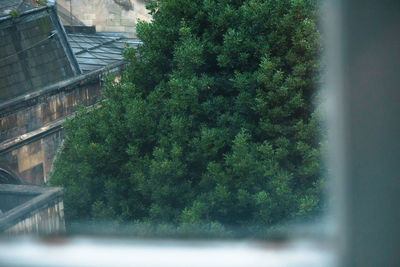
x=213 y=120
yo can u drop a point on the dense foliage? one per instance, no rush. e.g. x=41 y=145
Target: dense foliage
x=212 y=121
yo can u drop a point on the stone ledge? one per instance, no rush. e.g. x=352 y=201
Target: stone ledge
x=22 y=139
x=32 y=99
x=47 y=129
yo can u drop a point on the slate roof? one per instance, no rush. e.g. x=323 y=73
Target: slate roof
x=34 y=52
x=94 y=51
x=18 y=5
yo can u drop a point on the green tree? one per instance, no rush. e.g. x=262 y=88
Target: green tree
x=213 y=120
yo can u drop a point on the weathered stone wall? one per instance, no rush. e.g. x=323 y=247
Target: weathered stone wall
x=32 y=161
x=106 y=15
x=23 y=116
x=31 y=126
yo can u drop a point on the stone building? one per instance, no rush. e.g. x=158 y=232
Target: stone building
x=105 y=15
x=45 y=72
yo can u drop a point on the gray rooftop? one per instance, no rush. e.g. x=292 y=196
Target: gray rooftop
x=19 y=6
x=34 y=52
x=20 y=201
x=94 y=51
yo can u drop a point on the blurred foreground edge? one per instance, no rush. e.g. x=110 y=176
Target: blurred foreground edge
x=119 y=252
x=363 y=86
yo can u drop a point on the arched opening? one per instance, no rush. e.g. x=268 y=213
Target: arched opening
x=7 y=178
